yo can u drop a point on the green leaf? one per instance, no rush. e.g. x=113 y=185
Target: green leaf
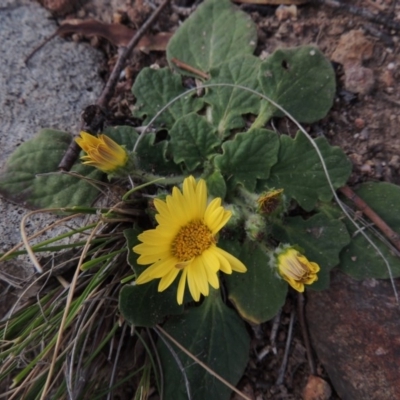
x=322 y=238
x=152 y=157
x=248 y=157
x=193 y=140
x=153 y=89
x=259 y=293
x=301 y=80
x=216 y=32
x=229 y=103
x=143 y=305
x=124 y=135
x=216 y=185
x=21 y=183
x=360 y=259
x=299 y=170
x=217 y=336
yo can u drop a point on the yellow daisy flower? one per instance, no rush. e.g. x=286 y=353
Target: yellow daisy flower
x=295 y=268
x=184 y=242
x=102 y=152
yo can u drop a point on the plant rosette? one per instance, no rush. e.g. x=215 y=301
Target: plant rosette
x=221 y=200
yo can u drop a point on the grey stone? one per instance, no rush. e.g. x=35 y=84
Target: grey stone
x=49 y=92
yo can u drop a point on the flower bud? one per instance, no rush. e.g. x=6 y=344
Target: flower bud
x=295 y=268
x=255 y=227
x=104 y=154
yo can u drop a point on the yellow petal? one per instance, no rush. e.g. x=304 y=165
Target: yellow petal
x=167 y=280
x=193 y=288
x=157 y=270
x=235 y=264
x=181 y=286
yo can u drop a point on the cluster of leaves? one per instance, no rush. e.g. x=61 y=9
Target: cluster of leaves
x=220 y=136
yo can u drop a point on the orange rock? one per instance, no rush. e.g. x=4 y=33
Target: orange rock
x=316 y=389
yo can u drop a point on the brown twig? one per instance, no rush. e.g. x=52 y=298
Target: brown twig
x=73 y=150
x=304 y=332
x=362 y=12
x=37 y=48
x=189 y=68
x=372 y=215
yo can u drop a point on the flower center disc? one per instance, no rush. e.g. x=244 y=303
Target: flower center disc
x=192 y=240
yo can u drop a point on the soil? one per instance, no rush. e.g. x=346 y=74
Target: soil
x=364 y=122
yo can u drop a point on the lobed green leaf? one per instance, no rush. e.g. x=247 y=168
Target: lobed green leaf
x=216 y=32
x=193 y=140
x=229 y=104
x=248 y=157
x=154 y=88
x=299 y=170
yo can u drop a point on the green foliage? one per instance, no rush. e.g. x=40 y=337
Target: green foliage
x=151 y=156
x=216 y=185
x=206 y=39
x=154 y=88
x=193 y=140
x=248 y=157
x=21 y=180
x=320 y=237
x=359 y=259
x=217 y=336
x=299 y=170
x=260 y=292
x=143 y=305
x=229 y=104
x=300 y=80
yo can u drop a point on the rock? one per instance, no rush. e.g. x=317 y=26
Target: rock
x=283 y=12
x=358 y=79
x=355 y=331
x=50 y=92
x=353 y=47
x=316 y=389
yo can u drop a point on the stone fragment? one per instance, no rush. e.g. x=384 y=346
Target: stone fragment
x=355 y=331
x=353 y=47
x=359 y=79
x=317 y=389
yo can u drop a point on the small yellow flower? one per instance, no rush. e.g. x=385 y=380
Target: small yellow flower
x=296 y=269
x=184 y=242
x=268 y=202
x=102 y=152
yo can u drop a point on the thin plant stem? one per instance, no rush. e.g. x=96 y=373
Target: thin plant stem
x=282 y=369
x=304 y=332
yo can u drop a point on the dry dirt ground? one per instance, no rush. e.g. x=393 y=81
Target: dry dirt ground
x=364 y=121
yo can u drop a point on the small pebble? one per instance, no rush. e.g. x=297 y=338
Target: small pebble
x=359 y=123
x=316 y=389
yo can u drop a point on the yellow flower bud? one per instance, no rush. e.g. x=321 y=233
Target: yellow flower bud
x=102 y=152
x=295 y=268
